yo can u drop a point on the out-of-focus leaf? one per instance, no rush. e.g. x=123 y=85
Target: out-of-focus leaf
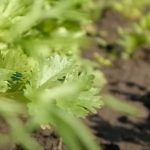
x=119 y=105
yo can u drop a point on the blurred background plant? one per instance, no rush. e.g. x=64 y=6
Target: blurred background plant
x=130 y=8
x=135 y=36
x=130 y=36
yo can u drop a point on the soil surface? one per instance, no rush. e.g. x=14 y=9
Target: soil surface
x=128 y=80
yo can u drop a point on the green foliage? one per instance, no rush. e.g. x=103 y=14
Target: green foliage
x=136 y=32
x=41 y=74
x=130 y=8
x=135 y=36
x=120 y=106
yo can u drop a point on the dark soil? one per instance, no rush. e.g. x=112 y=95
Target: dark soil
x=128 y=80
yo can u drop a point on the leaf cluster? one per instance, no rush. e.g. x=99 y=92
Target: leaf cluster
x=41 y=74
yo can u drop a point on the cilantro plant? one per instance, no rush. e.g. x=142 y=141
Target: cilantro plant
x=42 y=77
